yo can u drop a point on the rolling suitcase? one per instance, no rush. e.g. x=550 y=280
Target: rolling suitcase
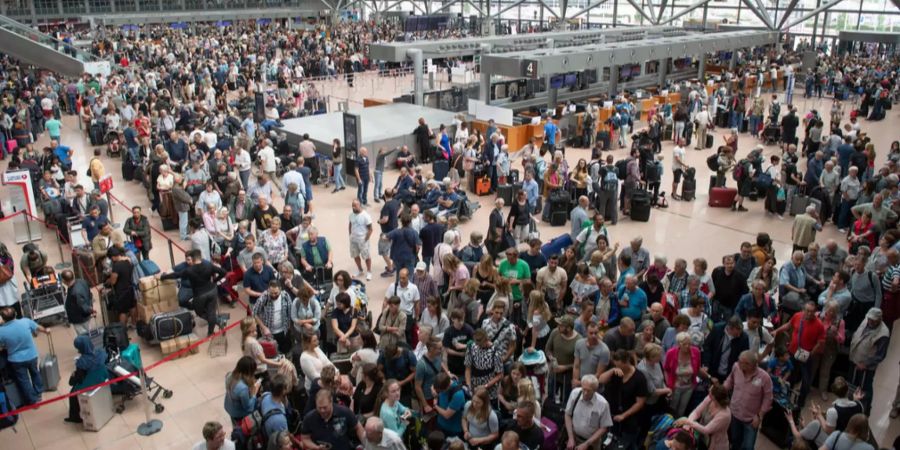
x=170 y=325
x=709 y=140
x=798 y=204
x=441 y=169
x=513 y=176
x=169 y=223
x=84 y=266
x=688 y=132
x=483 y=186
x=558 y=218
x=50 y=368
x=551 y=433
x=640 y=205
x=506 y=193
x=721 y=197
x=127 y=170
x=745 y=125
x=556 y=245
x=689 y=189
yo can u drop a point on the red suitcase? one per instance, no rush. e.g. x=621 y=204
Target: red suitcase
x=722 y=197
x=270 y=349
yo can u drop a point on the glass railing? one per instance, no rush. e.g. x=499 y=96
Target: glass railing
x=45 y=40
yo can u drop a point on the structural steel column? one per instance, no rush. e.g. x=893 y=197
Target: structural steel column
x=662 y=68
x=418 y=82
x=615 y=12
x=613 y=80
x=701 y=67
x=552 y=94
x=484 y=88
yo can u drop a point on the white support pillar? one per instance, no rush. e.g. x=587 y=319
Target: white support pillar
x=418 y=82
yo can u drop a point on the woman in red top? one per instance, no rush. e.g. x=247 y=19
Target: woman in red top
x=862 y=233
x=807 y=338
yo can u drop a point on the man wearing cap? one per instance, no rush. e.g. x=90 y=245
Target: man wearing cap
x=867 y=350
x=98 y=201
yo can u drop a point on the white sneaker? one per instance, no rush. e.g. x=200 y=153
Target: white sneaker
x=358 y=274
x=368 y=276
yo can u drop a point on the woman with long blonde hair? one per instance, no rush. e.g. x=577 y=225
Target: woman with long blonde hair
x=527 y=393
x=539 y=316
x=480 y=424
x=252 y=348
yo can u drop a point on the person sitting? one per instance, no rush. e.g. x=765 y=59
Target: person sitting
x=448 y=203
x=432 y=196
x=315 y=252
x=406 y=187
x=405 y=158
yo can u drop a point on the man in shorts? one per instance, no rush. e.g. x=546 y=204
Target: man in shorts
x=360 y=230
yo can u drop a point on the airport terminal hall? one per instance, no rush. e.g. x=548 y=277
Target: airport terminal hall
x=449 y=224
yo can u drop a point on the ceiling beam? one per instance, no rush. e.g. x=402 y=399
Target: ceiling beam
x=694 y=6
x=517 y=3
x=550 y=10
x=806 y=16
x=662 y=10
x=759 y=14
x=787 y=13
x=590 y=7
x=641 y=10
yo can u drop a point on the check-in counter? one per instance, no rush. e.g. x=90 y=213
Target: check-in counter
x=367 y=102
x=516 y=136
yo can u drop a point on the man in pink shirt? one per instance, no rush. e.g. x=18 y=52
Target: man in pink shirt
x=751 y=399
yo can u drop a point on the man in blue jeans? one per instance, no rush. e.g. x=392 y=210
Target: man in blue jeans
x=362 y=176
x=16 y=337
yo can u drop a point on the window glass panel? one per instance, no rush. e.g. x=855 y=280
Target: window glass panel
x=73 y=6
x=99 y=6
x=149 y=5
x=125 y=5
x=46 y=7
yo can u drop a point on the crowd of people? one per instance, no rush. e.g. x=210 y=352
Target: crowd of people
x=488 y=340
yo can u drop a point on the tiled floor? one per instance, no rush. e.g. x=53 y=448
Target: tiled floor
x=685 y=229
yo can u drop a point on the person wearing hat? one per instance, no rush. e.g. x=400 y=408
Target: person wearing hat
x=868 y=349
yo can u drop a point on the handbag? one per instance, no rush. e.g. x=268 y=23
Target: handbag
x=780 y=196
x=800 y=355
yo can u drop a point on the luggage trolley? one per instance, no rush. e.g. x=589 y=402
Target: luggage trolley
x=44 y=298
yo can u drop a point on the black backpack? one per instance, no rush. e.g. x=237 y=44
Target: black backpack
x=622 y=169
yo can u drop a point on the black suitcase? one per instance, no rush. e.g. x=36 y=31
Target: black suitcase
x=441 y=169
x=96 y=134
x=689 y=189
x=115 y=336
x=688 y=133
x=558 y=218
x=709 y=140
x=172 y=324
x=169 y=224
x=506 y=193
x=745 y=125
x=127 y=170
x=640 y=212
x=775 y=426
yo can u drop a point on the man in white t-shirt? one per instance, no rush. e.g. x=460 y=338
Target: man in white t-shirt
x=214 y=438
x=380 y=438
x=360 y=230
x=552 y=281
x=678 y=166
x=408 y=294
x=266 y=157
x=244 y=164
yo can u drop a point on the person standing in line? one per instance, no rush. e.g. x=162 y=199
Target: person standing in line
x=362 y=176
x=751 y=399
x=360 y=230
x=22 y=354
x=79 y=302
x=868 y=349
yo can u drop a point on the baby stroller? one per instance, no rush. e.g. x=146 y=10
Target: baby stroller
x=771 y=134
x=44 y=298
x=128 y=361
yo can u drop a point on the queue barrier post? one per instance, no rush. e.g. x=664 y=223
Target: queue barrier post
x=150 y=426
x=171 y=254
x=62 y=260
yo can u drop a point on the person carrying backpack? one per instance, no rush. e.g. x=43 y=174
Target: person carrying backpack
x=608 y=181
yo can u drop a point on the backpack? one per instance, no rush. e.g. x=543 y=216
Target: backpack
x=622 y=169
x=713 y=162
x=5 y=407
x=252 y=427
x=609 y=180
x=659 y=428
x=740 y=170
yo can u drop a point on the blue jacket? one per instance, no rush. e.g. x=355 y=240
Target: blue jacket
x=238 y=401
